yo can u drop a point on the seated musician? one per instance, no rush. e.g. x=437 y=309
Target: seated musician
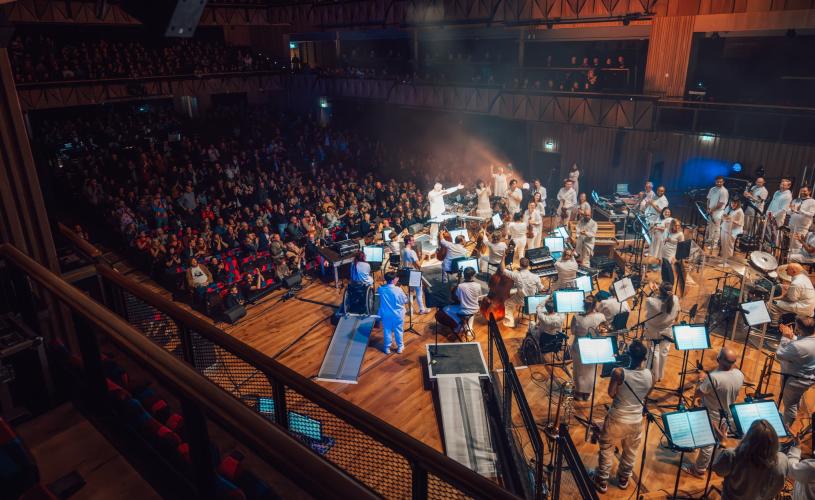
x=806 y=253
x=496 y=249
x=454 y=251
x=361 y=270
x=550 y=323
x=526 y=283
x=610 y=306
x=566 y=269
x=799 y=296
x=466 y=294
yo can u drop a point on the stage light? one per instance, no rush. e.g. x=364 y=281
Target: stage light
x=324 y=102
x=736 y=167
x=292 y=45
x=549 y=145
x=707 y=138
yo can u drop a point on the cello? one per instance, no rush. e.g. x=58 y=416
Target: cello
x=441 y=251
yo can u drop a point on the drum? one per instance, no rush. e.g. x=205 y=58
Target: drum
x=746 y=243
x=763 y=261
x=442 y=317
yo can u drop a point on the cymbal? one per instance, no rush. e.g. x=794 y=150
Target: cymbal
x=763 y=261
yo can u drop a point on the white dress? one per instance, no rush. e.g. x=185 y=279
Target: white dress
x=583 y=374
x=658 y=232
x=483 y=208
x=574 y=176
x=500 y=184
x=669 y=244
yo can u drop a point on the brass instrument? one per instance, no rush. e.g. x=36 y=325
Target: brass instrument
x=565 y=403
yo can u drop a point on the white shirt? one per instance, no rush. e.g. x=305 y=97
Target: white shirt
x=436 y=200
x=542 y=204
x=454 y=251
x=526 y=282
x=652 y=212
x=649 y=195
x=566 y=271
x=392 y=302
x=800 y=297
x=759 y=197
x=660 y=325
x=735 y=224
x=535 y=219
x=497 y=250
x=727 y=386
x=802 y=219
x=199 y=277
x=779 y=205
x=550 y=324
x=567 y=197
x=612 y=307
x=717 y=196
x=468 y=293
x=514 y=200
x=589 y=227
x=361 y=271
x=500 y=184
x=670 y=243
x=516 y=230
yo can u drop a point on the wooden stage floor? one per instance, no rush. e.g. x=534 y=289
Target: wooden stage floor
x=392 y=386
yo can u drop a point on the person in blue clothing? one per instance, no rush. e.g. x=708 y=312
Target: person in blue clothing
x=392 y=302
x=361 y=270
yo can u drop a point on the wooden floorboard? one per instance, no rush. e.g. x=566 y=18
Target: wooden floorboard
x=297 y=334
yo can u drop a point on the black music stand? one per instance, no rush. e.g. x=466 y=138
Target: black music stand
x=687 y=338
x=595 y=351
x=688 y=430
x=414 y=276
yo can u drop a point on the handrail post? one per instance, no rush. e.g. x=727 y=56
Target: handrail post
x=95 y=379
x=281 y=415
x=203 y=470
x=185 y=336
x=418 y=482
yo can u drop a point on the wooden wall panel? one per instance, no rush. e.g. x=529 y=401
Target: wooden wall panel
x=669 y=48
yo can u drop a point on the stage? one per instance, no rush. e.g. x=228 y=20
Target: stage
x=394 y=387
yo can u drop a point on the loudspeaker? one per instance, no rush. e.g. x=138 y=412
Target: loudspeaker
x=293 y=280
x=171 y=18
x=234 y=314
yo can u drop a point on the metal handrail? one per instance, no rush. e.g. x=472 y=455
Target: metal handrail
x=412 y=449
x=270 y=442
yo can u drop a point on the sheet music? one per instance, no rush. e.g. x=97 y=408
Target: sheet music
x=746 y=414
x=755 y=313
x=415 y=278
x=584 y=283
x=569 y=301
x=496 y=221
x=691 y=337
x=624 y=289
x=553 y=244
x=596 y=351
x=689 y=429
x=454 y=233
x=532 y=302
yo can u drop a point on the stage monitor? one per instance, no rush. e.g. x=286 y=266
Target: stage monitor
x=306 y=426
x=462 y=264
x=689 y=429
x=621 y=189
x=596 y=351
x=265 y=405
x=496 y=221
x=560 y=232
x=584 y=284
x=755 y=313
x=454 y=233
x=554 y=244
x=569 y=301
x=745 y=414
x=691 y=337
x=374 y=254
x=531 y=303
x=386 y=235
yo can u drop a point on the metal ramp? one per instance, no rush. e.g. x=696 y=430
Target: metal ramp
x=343 y=359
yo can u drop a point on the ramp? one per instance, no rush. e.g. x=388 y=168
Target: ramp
x=464 y=422
x=343 y=359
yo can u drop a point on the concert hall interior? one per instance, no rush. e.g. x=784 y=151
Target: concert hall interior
x=493 y=249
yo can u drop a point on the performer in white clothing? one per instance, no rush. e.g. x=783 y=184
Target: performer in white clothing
x=732 y=226
x=586 y=230
x=757 y=195
x=483 y=193
x=567 y=200
x=801 y=211
x=805 y=254
x=583 y=324
x=500 y=181
x=646 y=196
x=661 y=311
x=514 y=197
x=540 y=204
x=659 y=228
x=516 y=231
x=566 y=269
x=574 y=175
x=778 y=207
x=532 y=217
x=526 y=284
x=538 y=189
x=717 y=198
x=583 y=207
x=655 y=206
x=436 y=200
x=672 y=238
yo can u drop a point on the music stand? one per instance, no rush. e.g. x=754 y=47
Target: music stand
x=531 y=303
x=688 y=430
x=569 y=301
x=624 y=289
x=415 y=280
x=755 y=314
x=688 y=338
x=595 y=351
x=744 y=414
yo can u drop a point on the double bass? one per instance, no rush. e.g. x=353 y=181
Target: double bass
x=500 y=286
x=441 y=251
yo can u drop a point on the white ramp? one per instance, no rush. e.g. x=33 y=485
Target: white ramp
x=464 y=422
